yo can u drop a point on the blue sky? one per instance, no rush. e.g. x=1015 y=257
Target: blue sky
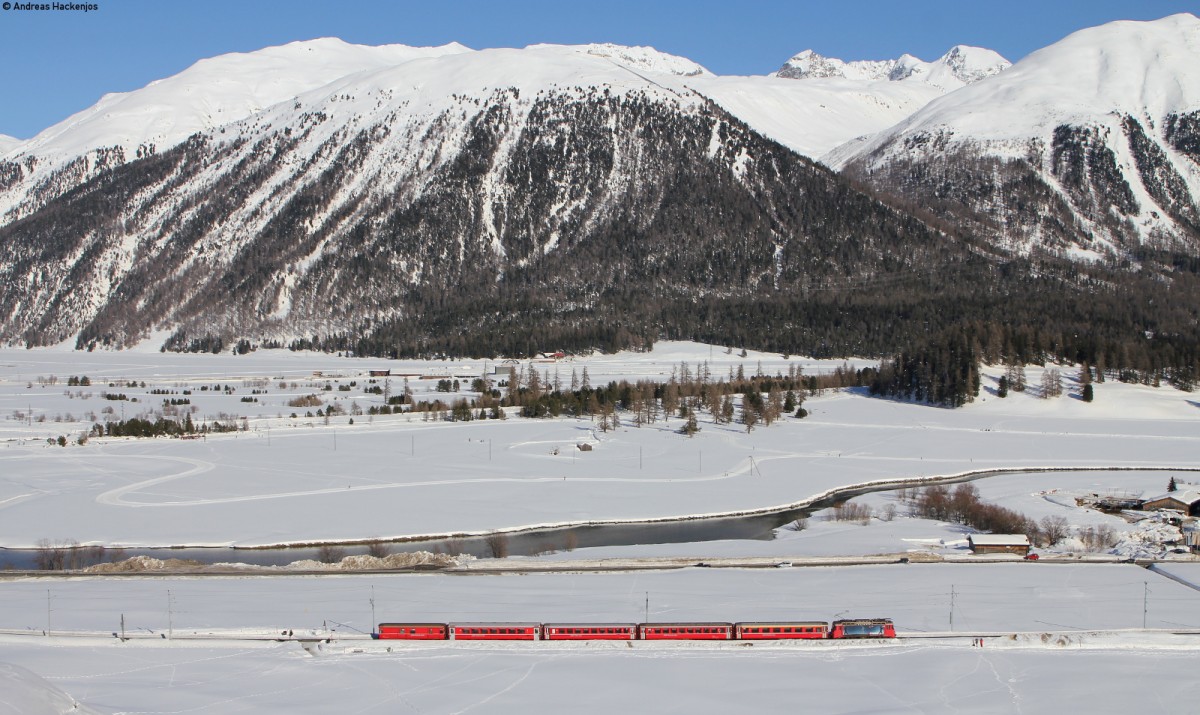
x=56 y=63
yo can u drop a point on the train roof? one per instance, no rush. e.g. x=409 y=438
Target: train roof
x=786 y=624
x=495 y=624
x=685 y=623
x=591 y=625
x=411 y=624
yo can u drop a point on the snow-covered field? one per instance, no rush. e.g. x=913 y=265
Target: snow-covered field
x=1083 y=610
x=287 y=480
x=298 y=479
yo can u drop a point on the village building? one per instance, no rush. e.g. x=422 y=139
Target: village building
x=1184 y=501
x=999 y=544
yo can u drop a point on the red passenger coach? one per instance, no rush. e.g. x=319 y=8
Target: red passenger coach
x=495 y=631
x=863 y=628
x=412 y=631
x=589 y=631
x=783 y=630
x=686 y=631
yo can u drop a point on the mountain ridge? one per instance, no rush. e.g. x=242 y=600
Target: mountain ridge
x=1110 y=153
x=958 y=67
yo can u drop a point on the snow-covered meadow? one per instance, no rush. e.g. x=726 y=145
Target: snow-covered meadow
x=306 y=479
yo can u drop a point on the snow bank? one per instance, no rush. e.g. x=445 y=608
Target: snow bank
x=27 y=693
x=364 y=562
x=361 y=562
x=144 y=563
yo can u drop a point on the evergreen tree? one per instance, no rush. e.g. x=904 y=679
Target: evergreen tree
x=690 y=427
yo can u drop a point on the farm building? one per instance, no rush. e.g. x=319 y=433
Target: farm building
x=1183 y=501
x=1116 y=503
x=999 y=543
x=1191 y=534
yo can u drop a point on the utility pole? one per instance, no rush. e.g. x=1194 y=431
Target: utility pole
x=952 y=607
x=373 y=607
x=1145 y=601
x=639 y=456
x=47 y=613
x=170 y=617
x=647 y=617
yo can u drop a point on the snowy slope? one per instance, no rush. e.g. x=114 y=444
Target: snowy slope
x=8 y=143
x=961 y=66
x=1138 y=68
x=212 y=92
x=1105 y=118
x=641 y=59
x=814 y=116
x=217 y=91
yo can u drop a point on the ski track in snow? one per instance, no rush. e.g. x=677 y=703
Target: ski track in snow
x=115 y=497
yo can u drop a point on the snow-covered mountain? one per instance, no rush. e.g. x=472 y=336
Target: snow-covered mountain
x=8 y=143
x=211 y=93
x=811 y=118
x=1091 y=144
x=417 y=189
x=961 y=66
x=447 y=199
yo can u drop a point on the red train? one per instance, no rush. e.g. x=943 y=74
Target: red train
x=764 y=630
